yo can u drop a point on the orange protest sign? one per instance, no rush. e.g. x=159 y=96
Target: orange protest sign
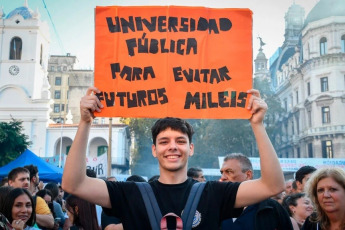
x=187 y=62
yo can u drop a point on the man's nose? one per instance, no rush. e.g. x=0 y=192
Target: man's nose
x=172 y=145
x=223 y=178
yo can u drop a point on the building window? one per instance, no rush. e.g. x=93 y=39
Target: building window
x=59 y=68
x=102 y=150
x=323 y=46
x=57 y=94
x=327 y=149
x=67 y=94
x=324 y=84
x=103 y=121
x=285 y=104
x=56 y=108
x=310 y=150
x=65 y=68
x=62 y=107
x=309 y=119
x=326 y=116
x=58 y=81
x=308 y=88
x=297 y=97
x=343 y=43
x=95 y=121
x=52 y=68
x=16 y=48
x=298 y=152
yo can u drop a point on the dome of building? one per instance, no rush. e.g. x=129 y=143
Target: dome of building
x=326 y=8
x=261 y=55
x=23 y=11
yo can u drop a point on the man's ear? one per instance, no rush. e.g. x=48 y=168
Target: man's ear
x=249 y=174
x=10 y=183
x=154 y=154
x=299 y=185
x=191 y=148
x=76 y=210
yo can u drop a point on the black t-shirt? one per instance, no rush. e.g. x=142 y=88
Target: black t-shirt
x=216 y=203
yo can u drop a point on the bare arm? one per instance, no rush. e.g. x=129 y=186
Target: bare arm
x=272 y=179
x=45 y=220
x=74 y=179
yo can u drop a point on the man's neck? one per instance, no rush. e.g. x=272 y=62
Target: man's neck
x=168 y=177
x=32 y=189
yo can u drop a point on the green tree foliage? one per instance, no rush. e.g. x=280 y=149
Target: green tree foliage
x=12 y=141
x=142 y=159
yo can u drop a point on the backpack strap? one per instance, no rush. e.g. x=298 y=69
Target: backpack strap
x=191 y=205
x=154 y=213
x=151 y=204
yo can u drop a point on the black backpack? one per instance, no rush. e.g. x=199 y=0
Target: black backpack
x=157 y=221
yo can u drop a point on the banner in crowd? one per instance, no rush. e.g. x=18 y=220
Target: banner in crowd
x=188 y=62
x=293 y=164
x=98 y=164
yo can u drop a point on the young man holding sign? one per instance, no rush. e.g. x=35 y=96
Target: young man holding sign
x=172 y=146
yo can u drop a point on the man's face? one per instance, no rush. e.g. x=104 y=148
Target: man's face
x=200 y=177
x=300 y=186
x=232 y=171
x=21 y=181
x=172 y=150
x=36 y=180
x=288 y=187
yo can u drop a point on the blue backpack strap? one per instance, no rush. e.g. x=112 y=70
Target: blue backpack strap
x=151 y=204
x=191 y=205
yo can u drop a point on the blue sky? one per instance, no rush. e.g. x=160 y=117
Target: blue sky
x=74 y=21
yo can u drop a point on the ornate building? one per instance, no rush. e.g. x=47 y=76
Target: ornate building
x=308 y=75
x=24 y=89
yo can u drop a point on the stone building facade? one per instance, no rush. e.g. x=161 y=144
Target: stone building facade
x=308 y=75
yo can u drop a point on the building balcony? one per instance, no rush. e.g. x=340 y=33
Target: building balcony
x=326 y=130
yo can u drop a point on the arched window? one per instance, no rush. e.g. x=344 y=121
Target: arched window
x=16 y=49
x=343 y=43
x=323 y=46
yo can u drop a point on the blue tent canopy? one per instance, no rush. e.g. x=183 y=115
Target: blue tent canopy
x=47 y=172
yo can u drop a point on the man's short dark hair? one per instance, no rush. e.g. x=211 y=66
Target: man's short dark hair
x=246 y=164
x=53 y=188
x=12 y=175
x=91 y=173
x=294 y=185
x=303 y=171
x=153 y=178
x=32 y=169
x=173 y=123
x=193 y=172
x=136 y=178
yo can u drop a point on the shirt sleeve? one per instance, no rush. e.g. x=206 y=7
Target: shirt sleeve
x=41 y=206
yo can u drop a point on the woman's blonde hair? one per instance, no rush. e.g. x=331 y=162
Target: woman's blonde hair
x=338 y=175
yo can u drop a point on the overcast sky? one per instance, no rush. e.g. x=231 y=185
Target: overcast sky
x=74 y=21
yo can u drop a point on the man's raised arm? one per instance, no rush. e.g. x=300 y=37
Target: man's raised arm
x=272 y=178
x=74 y=179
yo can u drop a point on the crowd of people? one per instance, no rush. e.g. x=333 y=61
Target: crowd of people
x=314 y=199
